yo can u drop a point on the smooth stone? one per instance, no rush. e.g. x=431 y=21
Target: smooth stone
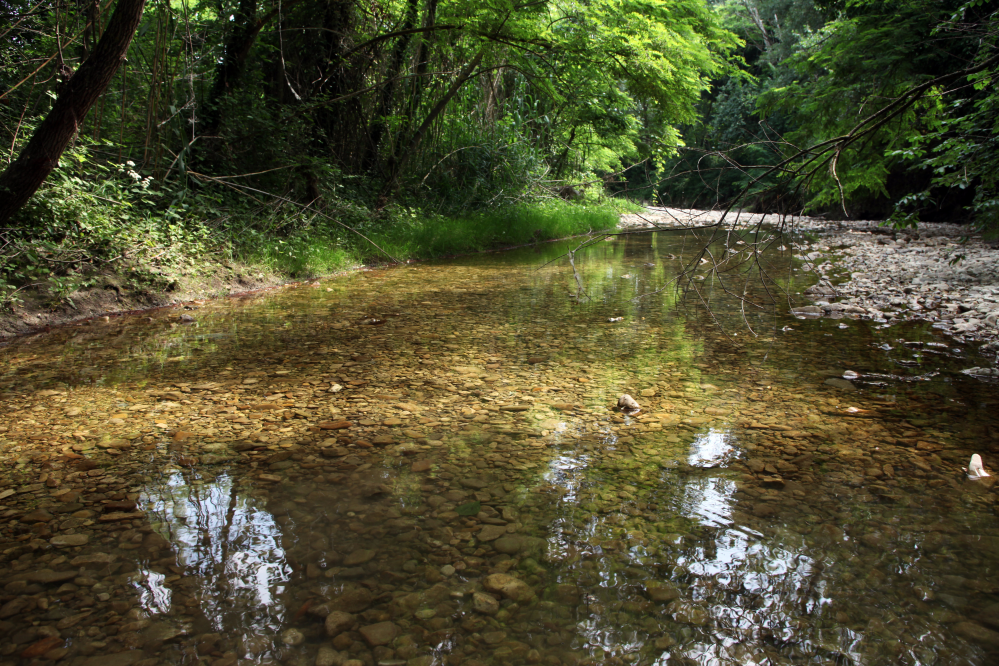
x=292 y=637
x=126 y=658
x=47 y=576
x=491 y=532
x=38 y=648
x=843 y=384
x=484 y=603
x=509 y=586
x=69 y=540
x=383 y=440
x=93 y=559
x=37 y=516
x=493 y=637
x=978 y=634
x=161 y=632
x=627 y=403
x=358 y=557
x=381 y=633
x=511 y=544
x=327 y=656
x=661 y=592
x=353 y=601
x=338 y=622
x=422 y=466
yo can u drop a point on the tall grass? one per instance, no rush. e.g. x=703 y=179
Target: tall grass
x=421 y=237
x=405 y=236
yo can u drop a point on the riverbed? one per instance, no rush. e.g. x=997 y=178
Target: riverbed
x=424 y=465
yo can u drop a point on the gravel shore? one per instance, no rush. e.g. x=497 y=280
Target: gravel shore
x=938 y=273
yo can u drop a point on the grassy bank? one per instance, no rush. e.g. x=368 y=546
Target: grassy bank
x=415 y=236
x=84 y=255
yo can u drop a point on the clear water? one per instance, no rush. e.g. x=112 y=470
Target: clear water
x=753 y=512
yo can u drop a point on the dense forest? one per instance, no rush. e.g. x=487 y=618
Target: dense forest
x=296 y=131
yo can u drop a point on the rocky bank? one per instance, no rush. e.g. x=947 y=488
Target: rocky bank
x=940 y=273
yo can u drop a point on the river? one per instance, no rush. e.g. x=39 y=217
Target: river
x=423 y=465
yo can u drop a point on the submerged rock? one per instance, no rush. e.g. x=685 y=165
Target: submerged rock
x=509 y=586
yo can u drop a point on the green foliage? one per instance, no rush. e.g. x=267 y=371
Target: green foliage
x=277 y=133
x=870 y=54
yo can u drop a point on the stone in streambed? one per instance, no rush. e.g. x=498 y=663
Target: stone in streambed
x=327 y=656
x=491 y=532
x=353 y=600
x=126 y=658
x=509 y=586
x=47 y=576
x=38 y=648
x=338 y=622
x=69 y=540
x=485 y=603
x=381 y=633
x=976 y=633
x=661 y=592
x=358 y=557
x=37 y=516
x=628 y=404
x=292 y=637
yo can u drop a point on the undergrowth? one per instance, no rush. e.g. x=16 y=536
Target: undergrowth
x=125 y=230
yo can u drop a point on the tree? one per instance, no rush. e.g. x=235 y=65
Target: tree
x=41 y=155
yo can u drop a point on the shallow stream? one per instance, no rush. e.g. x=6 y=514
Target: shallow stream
x=422 y=465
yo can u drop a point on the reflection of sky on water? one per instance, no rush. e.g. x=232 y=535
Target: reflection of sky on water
x=154 y=596
x=753 y=588
x=231 y=545
x=710 y=449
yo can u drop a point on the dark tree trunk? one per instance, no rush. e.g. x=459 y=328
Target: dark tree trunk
x=388 y=91
x=235 y=55
x=227 y=72
x=26 y=174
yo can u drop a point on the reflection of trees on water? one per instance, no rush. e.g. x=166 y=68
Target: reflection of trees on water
x=231 y=546
x=743 y=597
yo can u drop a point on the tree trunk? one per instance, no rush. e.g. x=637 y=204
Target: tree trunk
x=26 y=174
x=236 y=53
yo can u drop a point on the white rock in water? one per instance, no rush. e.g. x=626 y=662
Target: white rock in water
x=627 y=403
x=975 y=468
